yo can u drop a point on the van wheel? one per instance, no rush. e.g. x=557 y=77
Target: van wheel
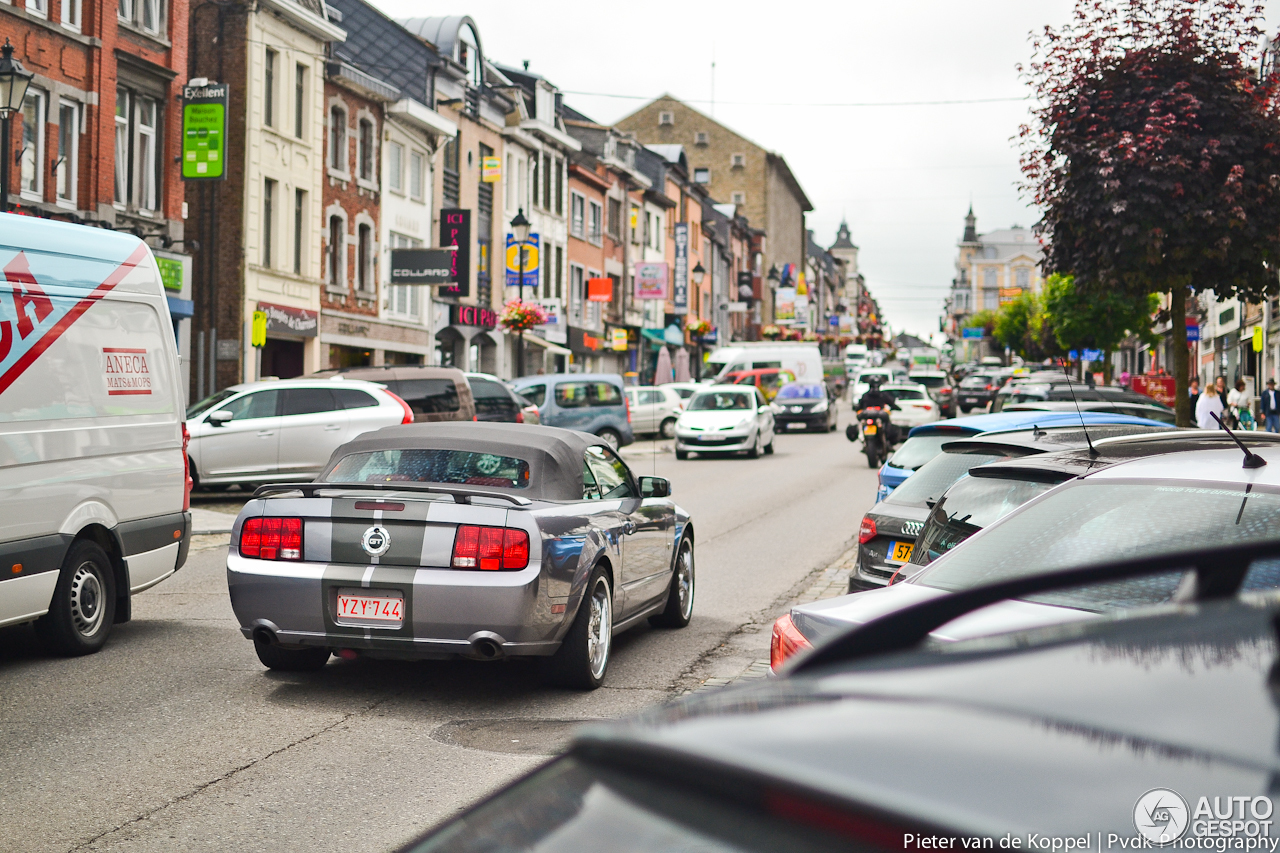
x=290 y=660
x=583 y=657
x=668 y=428
x=84 y=602
x=610 y=437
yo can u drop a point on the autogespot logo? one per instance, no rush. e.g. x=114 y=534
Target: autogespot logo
x=1161 y=816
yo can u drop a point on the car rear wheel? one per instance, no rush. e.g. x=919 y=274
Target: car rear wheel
x=289 y=660
x=84 y=602
x=610 y=437
x=583 y=657
x=679 y=609
x=668 y=429
x=966 y=409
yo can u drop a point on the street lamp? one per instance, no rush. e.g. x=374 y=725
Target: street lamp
x=13 y=89
x=520 y=229
x=697 y=273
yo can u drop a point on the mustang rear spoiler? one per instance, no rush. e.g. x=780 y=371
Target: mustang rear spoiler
x=460 y=494
x=1218 y=573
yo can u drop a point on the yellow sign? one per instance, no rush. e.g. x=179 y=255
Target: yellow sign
x=531 y=258
x=491 y=170
x=1257 y=339
x=618 y=340
x=258 y=334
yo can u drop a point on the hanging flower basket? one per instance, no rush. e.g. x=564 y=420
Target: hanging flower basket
x=770 y=332
x=697 y=327
x=521 y=316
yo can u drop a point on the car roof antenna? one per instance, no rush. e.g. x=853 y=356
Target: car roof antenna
x=1093 y=451
x=1251 y=459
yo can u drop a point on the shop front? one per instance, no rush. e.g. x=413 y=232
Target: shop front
x=353 y=340
x=588 y=350
x=288 y=332
x=470 y=340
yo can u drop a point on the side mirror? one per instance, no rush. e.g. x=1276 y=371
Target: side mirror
x=655 y=487
x=220 y=418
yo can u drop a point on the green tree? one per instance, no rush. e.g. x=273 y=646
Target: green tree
x=1155 y=155
x=984 y=320
x=1022 y=325
x=1083 y=318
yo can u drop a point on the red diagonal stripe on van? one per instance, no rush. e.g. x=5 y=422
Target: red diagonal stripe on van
x=37 y=349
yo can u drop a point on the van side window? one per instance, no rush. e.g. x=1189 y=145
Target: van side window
x=742 y=365
x=576 y=395
x=535 y=394
x=760 y=365
x=427 y=396
x=260 y=404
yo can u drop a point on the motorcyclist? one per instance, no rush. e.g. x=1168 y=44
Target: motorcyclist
x=874 y=397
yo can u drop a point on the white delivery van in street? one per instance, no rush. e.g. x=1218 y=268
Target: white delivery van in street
x=94 y=493
x=804 y=360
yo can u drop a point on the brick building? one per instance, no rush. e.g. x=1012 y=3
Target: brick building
x=260 y=228
x=735 y=170
x=100 y=130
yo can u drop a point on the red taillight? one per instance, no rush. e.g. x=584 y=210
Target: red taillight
x=944 y=390
x=868 y=530
x=272 y=538
x=928 y=407
x=490 y=549
x=627 y=401
x=519 y=417
x=186 y=467
x=787 y=640
x=408 y=412
x=990 y=387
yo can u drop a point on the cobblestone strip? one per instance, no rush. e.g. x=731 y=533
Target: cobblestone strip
x=831 y=582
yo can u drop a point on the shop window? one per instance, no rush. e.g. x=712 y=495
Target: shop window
x=33 y=140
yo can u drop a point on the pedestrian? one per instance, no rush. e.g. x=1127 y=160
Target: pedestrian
x=1209 y=404
x=1194 y=393
x=1270 y=406
x=1237 y=403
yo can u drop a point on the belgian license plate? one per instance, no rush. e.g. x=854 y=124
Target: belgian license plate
x=971 y=399
x=796 y=425
x=900 y=552
x=869 y=429
x=382 y=608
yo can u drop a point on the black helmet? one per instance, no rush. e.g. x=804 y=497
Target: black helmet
x=873 y=382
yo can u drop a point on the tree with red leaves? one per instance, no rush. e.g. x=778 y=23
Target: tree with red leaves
x=1155 y=154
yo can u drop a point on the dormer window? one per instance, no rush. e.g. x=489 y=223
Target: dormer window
x=702 y=176
x=739 y=161
x=469 y=55
x=666 y=119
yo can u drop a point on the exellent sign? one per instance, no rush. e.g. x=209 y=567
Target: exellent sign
x=204 y=132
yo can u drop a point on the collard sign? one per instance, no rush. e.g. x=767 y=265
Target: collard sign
x=422 y=266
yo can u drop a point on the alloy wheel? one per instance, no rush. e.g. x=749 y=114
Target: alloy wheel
x=599 y=629
x=684 y=581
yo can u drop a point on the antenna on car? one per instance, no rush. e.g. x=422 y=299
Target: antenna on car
x=1251 y=459
x=1093 y=451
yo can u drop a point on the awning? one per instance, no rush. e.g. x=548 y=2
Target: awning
x=653 y=336
x=547 y=345
x=180 y=309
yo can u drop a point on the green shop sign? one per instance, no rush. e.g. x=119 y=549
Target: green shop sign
x=204 y=128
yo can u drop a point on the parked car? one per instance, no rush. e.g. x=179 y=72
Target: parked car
x=94 y=495
x=925 y=442
x=976 y=391
x=495 y=401
x=805 y=405
x=768 y=379
x=594 y=403
x=1059 y=390
x=433 y=393
x=802 y=359
x=915 y=406
x=725 y=419
x=888 y=534
x=884 y=740
x=941 y=389
x=481 y=540
x=283 y=429
x=654 y=409
x=1151 y=499
x=685 y=389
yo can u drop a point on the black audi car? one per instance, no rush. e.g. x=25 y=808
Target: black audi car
x=805 y=405
x=887 y=536
x=1113 y=729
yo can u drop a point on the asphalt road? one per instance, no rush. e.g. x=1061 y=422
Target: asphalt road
x=174 y=737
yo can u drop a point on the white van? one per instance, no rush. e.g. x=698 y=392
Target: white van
x=94 y=493
x=856 y=358
x=804 y=360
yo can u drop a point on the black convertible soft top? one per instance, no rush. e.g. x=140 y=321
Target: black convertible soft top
x=554 y=455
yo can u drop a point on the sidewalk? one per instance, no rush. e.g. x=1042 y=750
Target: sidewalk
x=745 y=655
x=205 y=522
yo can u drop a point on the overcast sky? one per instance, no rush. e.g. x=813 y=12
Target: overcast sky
x=903 y=176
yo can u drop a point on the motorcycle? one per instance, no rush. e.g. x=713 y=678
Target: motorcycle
x=873 y=425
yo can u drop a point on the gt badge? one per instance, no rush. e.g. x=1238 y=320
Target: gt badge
x=376 y=541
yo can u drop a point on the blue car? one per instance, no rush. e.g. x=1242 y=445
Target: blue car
x=925 y=442
x=587 y=402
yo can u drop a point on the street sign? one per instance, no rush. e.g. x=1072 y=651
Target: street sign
x=204 y=132
x=599 y=290
x=422 y=266
x=651 y=280
x=1257 y=339
x=491 y=170
x=974 y=333
x=618 y=340
x=680 y=276
x=1093 y=355
x=1193 y=330
x=455 y=230
x=258 y=330
x=532 y=259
